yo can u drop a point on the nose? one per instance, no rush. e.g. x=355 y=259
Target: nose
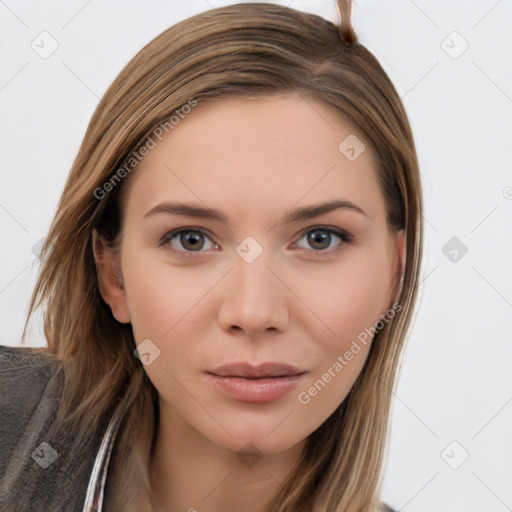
x=254 y=298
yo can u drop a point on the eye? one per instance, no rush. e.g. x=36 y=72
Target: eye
x=320 y=238
x=190 y=239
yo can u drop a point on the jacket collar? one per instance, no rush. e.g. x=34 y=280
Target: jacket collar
x=96 y=488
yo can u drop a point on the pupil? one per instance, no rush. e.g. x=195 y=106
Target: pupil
x=192 y=239
x=319 y=237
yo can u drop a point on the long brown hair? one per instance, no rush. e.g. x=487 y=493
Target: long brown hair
x=241 y=50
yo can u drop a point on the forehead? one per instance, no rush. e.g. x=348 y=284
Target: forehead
x=280 y=149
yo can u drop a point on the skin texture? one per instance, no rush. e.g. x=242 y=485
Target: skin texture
x=255 y=159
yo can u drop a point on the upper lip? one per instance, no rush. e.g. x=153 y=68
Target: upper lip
x=247 y=370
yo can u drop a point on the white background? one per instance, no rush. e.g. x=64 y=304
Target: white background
x=456 y=382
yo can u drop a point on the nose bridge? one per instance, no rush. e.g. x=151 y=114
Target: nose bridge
x=252 y=269
x=256 y=298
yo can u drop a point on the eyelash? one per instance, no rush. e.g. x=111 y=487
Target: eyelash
x=345 y=237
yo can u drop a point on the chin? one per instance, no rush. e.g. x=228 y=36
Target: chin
x=257 y=440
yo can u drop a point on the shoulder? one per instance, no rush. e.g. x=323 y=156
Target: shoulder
x=38 y=461
x=25 y=365
x=25 y=372
x=24 y=376
x=13 y=358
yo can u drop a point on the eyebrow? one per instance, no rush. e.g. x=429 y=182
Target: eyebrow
x=299 y=214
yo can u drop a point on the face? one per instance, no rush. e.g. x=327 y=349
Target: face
x=260 y=281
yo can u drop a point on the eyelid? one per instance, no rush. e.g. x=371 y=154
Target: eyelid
x=166 y=239
x=346 y=238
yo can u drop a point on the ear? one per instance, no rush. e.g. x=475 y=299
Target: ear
x=110 y=279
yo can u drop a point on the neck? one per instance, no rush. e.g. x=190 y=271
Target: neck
x=191 y=473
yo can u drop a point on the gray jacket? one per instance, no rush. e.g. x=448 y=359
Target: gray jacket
x=34 y=476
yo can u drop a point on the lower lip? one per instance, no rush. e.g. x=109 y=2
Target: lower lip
x=255 y=390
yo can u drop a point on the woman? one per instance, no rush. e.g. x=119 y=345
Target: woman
x=252 y=369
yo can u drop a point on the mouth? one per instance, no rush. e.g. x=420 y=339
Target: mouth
x=255 y=384
x=248 y=371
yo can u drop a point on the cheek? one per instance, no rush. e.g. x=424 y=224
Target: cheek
x=349 y=307
x=346 y=300
x=168 y=307
x=161 y=298
x=171 y=307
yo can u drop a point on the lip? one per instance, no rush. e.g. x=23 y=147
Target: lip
x=249 y=371
x=255 y=384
